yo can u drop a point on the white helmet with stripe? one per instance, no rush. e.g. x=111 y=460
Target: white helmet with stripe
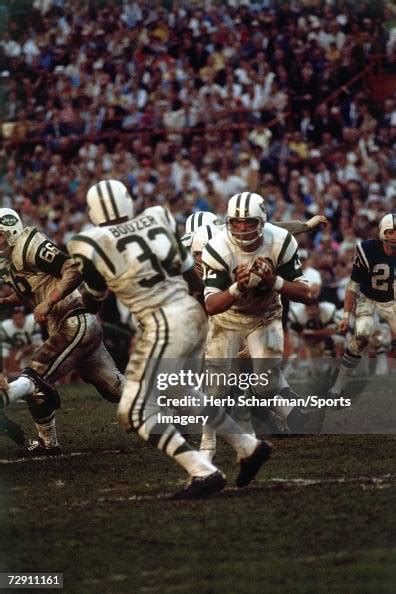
x=199 y=239
x=198 y=219
x=10 y=225
x=107 y=201
x=387 y=223
x=246 y=206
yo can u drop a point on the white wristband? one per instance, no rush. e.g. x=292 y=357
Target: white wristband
x=234 y=291
x=278 y=284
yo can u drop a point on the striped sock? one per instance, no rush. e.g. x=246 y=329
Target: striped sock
x=349 y=362
x=168 y=439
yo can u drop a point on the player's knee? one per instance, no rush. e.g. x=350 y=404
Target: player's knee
x=112 y=391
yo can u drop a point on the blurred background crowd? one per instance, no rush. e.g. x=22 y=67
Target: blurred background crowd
x=190 y=102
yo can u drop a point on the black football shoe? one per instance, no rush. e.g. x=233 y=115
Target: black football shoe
x=11 y=429
x=250 y=466
x=36 y=448
x=200 y=488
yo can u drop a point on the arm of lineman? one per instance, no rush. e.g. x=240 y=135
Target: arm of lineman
x=300 y=227
x=70 y=279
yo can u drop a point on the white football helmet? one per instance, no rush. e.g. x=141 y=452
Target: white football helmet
x=10 y=225
x=108 y=200
x=387 y=223
x=246 y=205
x=201 y=237
x=198 y=219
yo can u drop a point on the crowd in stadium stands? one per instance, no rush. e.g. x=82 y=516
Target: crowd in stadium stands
x=192 y=103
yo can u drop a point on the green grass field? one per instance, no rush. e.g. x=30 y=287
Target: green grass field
x=320 y=517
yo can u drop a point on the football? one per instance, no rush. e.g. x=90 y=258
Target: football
x=258 y=267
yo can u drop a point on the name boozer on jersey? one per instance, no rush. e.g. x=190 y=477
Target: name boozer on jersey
x=221 y=258
x=32 y=270
x=374 y=271
x=140 y=260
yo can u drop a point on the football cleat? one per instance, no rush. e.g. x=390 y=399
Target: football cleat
x=11 y=429
x=200 y=487
x=250 y=466
x=36 y=447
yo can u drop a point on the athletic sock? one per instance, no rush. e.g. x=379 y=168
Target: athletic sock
x=170 y=441
x=243 y=443
x=46 y=429
x=349 y=362
x=208 y=441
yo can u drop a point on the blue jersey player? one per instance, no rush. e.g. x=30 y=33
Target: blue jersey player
x=371 y=290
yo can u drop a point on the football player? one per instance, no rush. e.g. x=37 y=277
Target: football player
x=313 y=326
x=247 y=266
x=20 y=334
x=198 y=239
x=46 y=280
x=143 y=262
x=371 y=290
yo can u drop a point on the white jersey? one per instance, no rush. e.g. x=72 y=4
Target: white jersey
x=221 y=258
x=12 y=336
x=299 y=319
x=141 y=261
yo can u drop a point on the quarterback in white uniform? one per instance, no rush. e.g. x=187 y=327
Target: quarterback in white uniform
x=46 y=280
x=200 y=229
x=246 y=268
x=143 y=262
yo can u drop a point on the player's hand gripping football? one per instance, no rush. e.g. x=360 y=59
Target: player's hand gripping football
x=242 y=276
x=264 y=270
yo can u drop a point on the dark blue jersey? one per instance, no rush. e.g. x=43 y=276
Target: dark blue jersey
x=374 y=271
